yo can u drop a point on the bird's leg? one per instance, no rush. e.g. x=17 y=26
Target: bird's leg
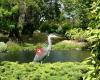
x=48 y=54
x=33 y=63
x=41 y=62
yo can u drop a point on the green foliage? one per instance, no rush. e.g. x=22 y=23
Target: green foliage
x=83 y=12
x=68 y=45
x=80 y=35
x=39 y=37
x=34 y=71
x=94 y=16
x=13 y=47
x=8 y=14
x=63 y=27
x=4 y=12
x=36 y=11
x=14 y=9
x=77 y=34
x=95 y=58
x=27 y=46
x=49 y=27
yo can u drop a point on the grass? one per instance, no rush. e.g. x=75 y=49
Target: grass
x=68 y=45
x=47 y=71
x=13 y=47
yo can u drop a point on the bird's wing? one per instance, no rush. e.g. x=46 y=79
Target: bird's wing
x=40 y=55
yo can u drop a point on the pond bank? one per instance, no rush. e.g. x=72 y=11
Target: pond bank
x=69 y=44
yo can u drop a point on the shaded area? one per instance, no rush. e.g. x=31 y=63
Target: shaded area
x=20 y=56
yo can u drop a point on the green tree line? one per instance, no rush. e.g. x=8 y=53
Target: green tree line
x=49 y=15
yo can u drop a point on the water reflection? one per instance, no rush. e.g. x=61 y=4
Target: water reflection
x=68 y=55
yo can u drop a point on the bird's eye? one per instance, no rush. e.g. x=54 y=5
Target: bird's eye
x=38 y=50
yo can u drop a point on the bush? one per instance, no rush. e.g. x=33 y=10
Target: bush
x=36 y=71
x=81 y=35
x=49 y=27
x=13 y=47
x=39 y=38
x=63 y=28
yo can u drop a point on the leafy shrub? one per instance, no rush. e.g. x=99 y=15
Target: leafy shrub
x=71 y=33
x=39 y=38
x=77 y=34
x=13 y=47
x=95 y=58
x=28 y=46
x=49 y=27
x=63 y=27
x=36 y=71
x=93 y=38
x=81 y=35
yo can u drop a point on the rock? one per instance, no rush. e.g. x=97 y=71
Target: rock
x=3 y=46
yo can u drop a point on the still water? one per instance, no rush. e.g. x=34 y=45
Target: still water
x=68 y=55
x=55 y=56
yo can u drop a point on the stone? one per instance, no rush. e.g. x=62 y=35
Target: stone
x=3 y=46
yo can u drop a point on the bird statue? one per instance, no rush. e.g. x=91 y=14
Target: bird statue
x=43 y=52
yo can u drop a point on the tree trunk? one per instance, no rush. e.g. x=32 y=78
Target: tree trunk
x=22 y=12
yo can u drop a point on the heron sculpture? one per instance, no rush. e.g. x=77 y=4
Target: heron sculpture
x=43 y=52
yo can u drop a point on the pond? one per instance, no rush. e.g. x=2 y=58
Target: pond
x=55 y=56
x=68 y=55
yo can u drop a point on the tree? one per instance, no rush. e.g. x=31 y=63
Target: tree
x=27 y=15
x=22 y=12
x=94 y=15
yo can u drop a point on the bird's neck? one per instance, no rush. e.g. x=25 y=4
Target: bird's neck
x=49 y=42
